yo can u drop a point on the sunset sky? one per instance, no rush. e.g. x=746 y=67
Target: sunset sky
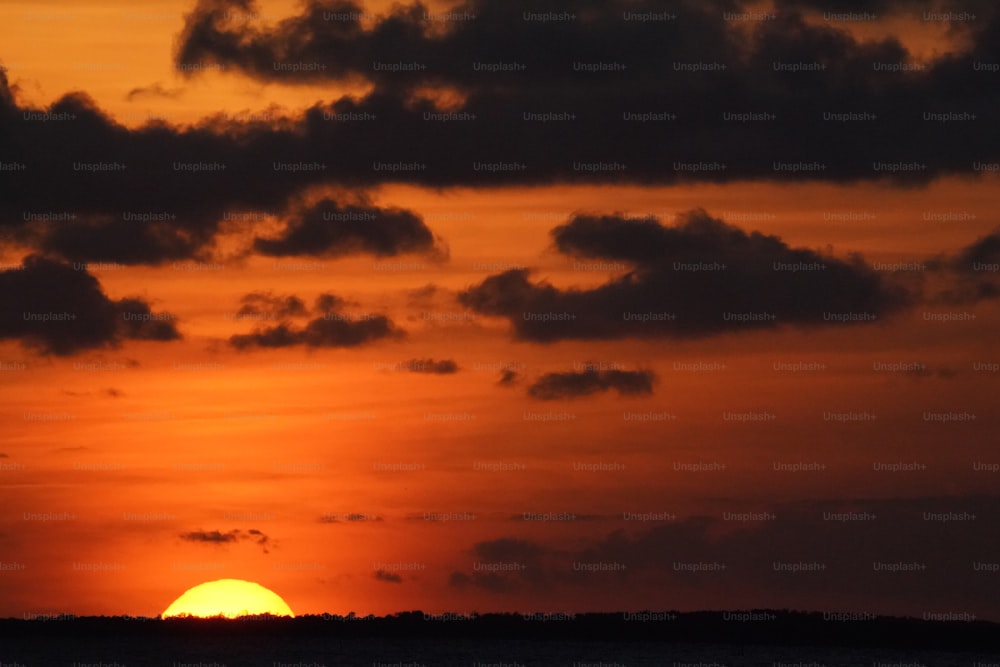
x=591 y=306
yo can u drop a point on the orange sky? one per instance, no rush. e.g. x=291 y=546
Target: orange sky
x=143 y=443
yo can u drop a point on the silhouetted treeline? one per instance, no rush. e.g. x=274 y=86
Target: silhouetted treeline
x=768 y=627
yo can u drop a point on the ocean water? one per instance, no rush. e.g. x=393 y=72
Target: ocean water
x=208 y=651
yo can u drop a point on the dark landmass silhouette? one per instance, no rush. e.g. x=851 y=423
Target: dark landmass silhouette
x=745 y=627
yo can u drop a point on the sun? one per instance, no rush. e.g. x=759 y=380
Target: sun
x=229 y=598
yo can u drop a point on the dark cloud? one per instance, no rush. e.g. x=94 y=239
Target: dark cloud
x=970 y=275
x=884 y=6
x=343 y=46
x=430 y=366
x=156 y=90
x=265 y=304
x=984 y=251
x=111 y=392
x=575 y=384
x=943 y=534
x=326 y=41
x=211 y=536
x=422 y=295
x=319 y=332
x=330 y=229
x=352 y=517
x=329 y=302
x=508 y=549
x=508 y=378
x=90 y=189
x=259 y=538
x=459 y=579
x=277 y=336
x=141 y=323
x=331 y=328
x=504 y=565
x=87 y=188
x=803 y=533
x=99 y=238
x=698 y=278
x=60 y=310
x=389 y=577
x=228 y=537
x=978 y=266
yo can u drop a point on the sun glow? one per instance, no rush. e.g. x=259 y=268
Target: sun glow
x=228 y=598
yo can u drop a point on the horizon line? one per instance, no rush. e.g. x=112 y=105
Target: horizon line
x=642 y=615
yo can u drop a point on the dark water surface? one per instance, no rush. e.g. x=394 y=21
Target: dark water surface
x=699 y=639
x=204 y=651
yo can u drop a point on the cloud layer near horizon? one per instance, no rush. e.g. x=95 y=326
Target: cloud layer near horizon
x=836 y=545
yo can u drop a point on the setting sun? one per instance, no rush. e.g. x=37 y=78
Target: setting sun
x=229 y=598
